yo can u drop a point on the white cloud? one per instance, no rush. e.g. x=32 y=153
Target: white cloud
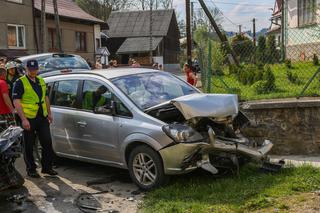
x=239 y=14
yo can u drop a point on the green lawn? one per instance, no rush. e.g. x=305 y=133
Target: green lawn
x=285 y=88
x=252 y=190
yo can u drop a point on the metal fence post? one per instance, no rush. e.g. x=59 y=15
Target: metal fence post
x=209 y=73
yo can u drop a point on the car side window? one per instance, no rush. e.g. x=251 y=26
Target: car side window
x=95 y=94
x=65 y=93
x=121 y=109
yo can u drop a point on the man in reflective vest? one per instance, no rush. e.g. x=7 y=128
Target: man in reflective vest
x=94 y=99
x=33 y=107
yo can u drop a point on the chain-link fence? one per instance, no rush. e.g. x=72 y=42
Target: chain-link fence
x=280 y=64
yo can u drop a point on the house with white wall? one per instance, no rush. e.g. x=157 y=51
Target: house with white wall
x=302 y=29
x=276 y=18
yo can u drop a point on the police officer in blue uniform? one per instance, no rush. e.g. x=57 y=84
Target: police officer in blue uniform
x=33 y=107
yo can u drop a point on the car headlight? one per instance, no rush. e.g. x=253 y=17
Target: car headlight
x=182 y=133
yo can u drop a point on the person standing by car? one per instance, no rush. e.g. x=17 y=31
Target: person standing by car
x=33 y=107
x=191 y=77
x=6 y=107
x=12 y=76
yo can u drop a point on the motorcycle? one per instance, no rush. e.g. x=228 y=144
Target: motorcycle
x=10 y=150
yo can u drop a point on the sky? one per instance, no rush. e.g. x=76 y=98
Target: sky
x=239 y=12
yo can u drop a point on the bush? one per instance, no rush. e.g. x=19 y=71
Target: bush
x=269 y=77
x=249 y=74
x=288 y=63
x=315 y=60
x=243 y=47
x=293 y=77
x=260 y=87
x=266 y=84
x=218 y=72
x=234 y=69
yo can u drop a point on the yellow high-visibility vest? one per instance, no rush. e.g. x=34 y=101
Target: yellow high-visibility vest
x=88 y=101
x=30 y=100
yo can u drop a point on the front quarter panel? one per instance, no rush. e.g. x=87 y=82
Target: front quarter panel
x=145 y=133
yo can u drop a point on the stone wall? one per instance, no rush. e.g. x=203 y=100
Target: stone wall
x=292 y=125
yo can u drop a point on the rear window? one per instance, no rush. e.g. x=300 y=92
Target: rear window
x=60 y=62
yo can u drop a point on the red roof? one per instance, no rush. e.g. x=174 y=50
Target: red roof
x=69 y=9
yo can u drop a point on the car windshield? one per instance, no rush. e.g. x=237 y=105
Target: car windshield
x=60 y=62
x=150 y=89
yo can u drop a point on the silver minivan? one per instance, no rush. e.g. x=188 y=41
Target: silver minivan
x=150 y=122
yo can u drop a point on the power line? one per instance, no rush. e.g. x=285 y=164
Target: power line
x=242 y=4
x=223 y=14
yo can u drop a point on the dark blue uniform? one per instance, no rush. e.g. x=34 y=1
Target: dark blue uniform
x=39 y=127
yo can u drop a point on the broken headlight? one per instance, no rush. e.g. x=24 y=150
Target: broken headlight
x=182 y=133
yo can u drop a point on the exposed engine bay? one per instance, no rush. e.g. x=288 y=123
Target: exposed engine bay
x=214 y=122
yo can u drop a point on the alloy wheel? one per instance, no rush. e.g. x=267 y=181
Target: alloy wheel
x=144 y=169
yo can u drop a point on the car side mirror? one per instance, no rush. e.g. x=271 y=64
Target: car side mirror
x=108 y=109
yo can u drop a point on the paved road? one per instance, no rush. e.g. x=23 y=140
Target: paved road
x=113 y=190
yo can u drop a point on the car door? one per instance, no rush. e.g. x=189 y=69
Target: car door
x=64 y=106
x=98 y=133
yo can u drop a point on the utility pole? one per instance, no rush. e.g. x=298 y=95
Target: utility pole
x=283 y=28
x=254 y=32
x=232 y=57
x=192 y=17
x=151 y=23
x=240 y=26
x=188 y=29
x=43 y=26
x=58 y=32
x=192 y=24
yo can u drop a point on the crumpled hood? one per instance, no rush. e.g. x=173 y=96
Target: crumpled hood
x=207 y=105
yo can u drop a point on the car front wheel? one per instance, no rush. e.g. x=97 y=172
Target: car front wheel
x=146 y=168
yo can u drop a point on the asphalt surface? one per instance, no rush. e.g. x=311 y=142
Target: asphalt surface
x=79 y=187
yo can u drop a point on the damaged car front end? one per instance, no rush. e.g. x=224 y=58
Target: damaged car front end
x=206 y=133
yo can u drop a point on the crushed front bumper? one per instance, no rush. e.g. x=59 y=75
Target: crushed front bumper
x=183 y=157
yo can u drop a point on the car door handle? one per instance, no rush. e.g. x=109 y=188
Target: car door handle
x=82 y=123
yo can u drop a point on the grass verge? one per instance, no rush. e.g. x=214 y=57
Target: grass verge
x=284 y=88
x=252 y=190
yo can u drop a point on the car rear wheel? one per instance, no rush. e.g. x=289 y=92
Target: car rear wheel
x=146 y=168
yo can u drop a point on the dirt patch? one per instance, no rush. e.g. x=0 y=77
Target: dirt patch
x=304 y=202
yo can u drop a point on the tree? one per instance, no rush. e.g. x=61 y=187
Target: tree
x=157 y=4
x=243 y=47
x=261 y=50
x=272 y=52
x=102 y=8
x=166 y=4
x=202 y=20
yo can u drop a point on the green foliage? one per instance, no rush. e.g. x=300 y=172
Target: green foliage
x=243 y=47
x=266 y=84
x=259 y=203
x=315 y=60
x=201 y=36
x=247 y=74
x=272 y=52
x=218 y=72
x=270 y=78
x=293 y=77
x=96 y=8
x=250 y=191
x=288 y=63
x=261 y=55
x=260 y=87
x=217 y=57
